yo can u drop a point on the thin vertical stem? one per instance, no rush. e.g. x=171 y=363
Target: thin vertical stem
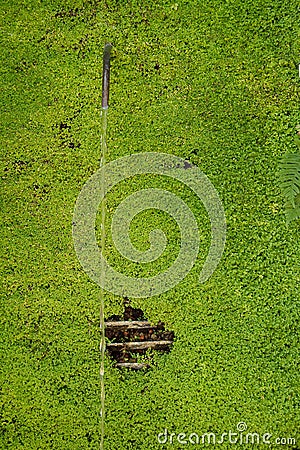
x=102 y=244
x=105 y=97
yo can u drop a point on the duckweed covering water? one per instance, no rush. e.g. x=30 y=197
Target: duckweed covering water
x=215 y=83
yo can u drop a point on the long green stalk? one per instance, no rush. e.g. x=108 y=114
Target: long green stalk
x=105 y=97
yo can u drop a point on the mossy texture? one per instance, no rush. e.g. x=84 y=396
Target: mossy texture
x=216 y=83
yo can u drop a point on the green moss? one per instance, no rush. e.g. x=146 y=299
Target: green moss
x=213 y=82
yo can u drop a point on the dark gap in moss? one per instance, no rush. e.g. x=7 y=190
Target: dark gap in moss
x=132 y=336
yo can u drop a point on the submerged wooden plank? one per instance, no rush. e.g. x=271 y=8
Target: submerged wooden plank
x=139 y=345
x=129 y=324
x=132 y=365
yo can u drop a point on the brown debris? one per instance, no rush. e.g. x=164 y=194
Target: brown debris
x=132 y=335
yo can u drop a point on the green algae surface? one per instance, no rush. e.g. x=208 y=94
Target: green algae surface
x=215 y=83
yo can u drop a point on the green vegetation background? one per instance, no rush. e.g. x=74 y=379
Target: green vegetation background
x=214 y=82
